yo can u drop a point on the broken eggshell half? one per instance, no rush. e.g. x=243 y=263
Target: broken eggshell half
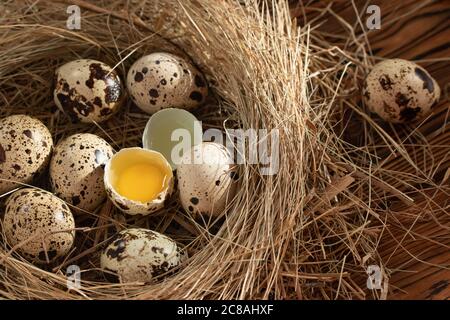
x=138 y=181
x=166 y=127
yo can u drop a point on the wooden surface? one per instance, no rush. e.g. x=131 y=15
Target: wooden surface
x=419 y=258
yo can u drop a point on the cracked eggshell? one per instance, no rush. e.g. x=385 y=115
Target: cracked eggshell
x=206 y=179
x=130 y=156
x=77 y=170
x=161 y=127
x=25 y=149
x=162 y=80
x=88 y=90
x=140 y=255
x=44 y=219
x=400 y=91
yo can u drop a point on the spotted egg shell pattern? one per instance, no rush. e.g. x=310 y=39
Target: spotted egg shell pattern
x=25 y=149
x=400 y=91
x=163 y=80
x=77 y=170
x=206 y=179
x=140 y=255
x=135 y=207
x=88 y=90
x=43 y=219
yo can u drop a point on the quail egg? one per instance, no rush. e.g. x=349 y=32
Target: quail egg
x=77 y=169
x=138 y=181
x=206 y=179
x=25 y=149
x=400 y=91
x=42 y=219
x=141 y=255
x=87 y=90
x=162 y=80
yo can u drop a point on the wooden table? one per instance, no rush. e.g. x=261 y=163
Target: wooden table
x=420 y=31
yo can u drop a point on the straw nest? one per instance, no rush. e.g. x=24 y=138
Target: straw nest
x=308 y=232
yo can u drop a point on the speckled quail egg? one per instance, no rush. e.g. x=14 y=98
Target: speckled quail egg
x=87 y=90
x=138 y=181
x=162 y=80
x=206 y=179
x=77 y=169
x=400 y=91
x=41 y=218
x=25 y=149
x=141 y=255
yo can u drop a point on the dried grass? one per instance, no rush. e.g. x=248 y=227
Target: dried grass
x=307 y=233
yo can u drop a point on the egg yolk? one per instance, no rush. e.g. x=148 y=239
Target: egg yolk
x=141 y=182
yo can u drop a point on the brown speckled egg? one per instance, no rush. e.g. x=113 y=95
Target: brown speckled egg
x=77 y=169
x=206 y=179
x=400 y=91
x=41 y=218
x=25 y=148
x=163 y=80
x=141 y=255
x=87 y=90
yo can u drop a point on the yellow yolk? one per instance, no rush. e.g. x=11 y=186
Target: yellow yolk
x=141 y=182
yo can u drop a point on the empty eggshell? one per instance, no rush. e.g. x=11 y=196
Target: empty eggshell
x=206 y=179
x=161 y=133
x=127 y=158
x=400 y=91
x=25 y=149
x=41 y=218
x=141 y=255
x=88 y=90
x=162 y=80
x=77 y=170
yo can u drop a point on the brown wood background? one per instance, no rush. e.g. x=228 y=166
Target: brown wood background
x=420 y=31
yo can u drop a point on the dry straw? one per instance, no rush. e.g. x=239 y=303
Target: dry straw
x=308 y=232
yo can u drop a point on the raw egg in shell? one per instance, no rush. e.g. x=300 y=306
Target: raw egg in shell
x=138 y=181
